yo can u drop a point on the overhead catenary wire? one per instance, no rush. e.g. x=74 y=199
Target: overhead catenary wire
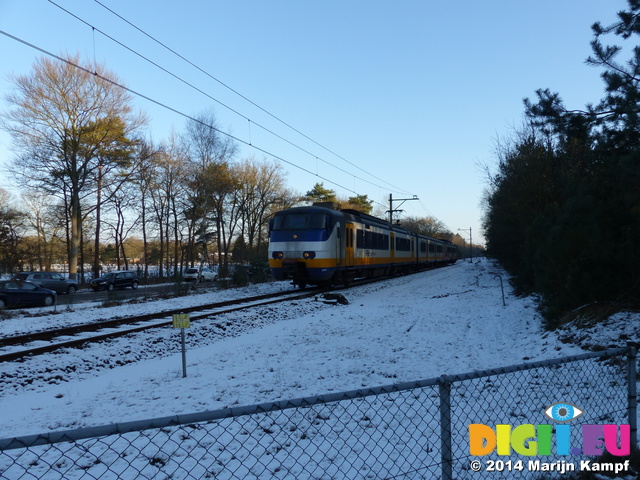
x=422 y=204
x=199 y=90
x=172 y=109
x=275 y=117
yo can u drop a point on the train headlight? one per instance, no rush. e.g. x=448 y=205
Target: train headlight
x=308 y=255
x=277 y=255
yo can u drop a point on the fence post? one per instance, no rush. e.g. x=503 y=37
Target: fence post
x=504 y=304
x=444 y=387
x=633 y=400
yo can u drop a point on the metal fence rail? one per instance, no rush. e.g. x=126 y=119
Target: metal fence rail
x=409 y=430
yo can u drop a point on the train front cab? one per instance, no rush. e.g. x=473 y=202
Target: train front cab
x=304 y=245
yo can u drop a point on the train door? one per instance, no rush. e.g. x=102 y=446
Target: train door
x=392 y=248
x=349 y=244
x=339 y=245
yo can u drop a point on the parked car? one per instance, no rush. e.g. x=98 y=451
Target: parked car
x=15 y=293
x=50 y=280
x=205 y=274
x=117 y=279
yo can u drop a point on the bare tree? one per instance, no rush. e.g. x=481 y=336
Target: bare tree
x=167 y=187
x=62 y=119
x=261 y=191
x=211 y=182
x=145 y=180
x=122 y=220
x=429 y=226
x=223 y=186
x=12 y=230
x=47 y=221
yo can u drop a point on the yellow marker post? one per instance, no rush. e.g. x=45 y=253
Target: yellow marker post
x=182 y=321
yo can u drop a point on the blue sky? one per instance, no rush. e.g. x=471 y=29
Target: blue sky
x=412 y=94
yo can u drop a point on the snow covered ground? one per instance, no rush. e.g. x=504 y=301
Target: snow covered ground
x=444 y=321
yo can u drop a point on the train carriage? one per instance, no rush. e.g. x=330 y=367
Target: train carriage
x=318 y=245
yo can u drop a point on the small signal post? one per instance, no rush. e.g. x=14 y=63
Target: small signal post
x=182 y=321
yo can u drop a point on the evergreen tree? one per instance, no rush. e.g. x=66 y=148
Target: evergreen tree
x=360 y=203
x=563 y=210
x=320 y=194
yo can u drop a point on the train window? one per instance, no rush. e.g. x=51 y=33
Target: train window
x=302 y=221
x=432 y=247
x=403 y=244
x=319 y=221
x=423 y=247
x=278 y=222
x=372 y=240
x=295 y=221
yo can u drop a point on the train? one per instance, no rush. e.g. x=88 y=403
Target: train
x=320 y=245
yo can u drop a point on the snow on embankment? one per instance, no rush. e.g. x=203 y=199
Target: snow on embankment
x=444 y=321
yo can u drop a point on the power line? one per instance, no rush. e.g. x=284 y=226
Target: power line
x=177 y=77
x=251 y=102
x=424 y=206
x=172 y=109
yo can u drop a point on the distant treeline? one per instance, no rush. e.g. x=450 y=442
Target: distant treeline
x=563 y=208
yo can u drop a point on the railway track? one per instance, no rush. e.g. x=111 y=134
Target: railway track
x=32 y=344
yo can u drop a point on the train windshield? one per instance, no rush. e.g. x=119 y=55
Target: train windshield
x=302 y=221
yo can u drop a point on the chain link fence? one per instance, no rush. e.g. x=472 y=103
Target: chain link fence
x=415 y=430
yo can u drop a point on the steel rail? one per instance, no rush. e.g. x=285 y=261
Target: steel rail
x=238 y=304
x=95 y=326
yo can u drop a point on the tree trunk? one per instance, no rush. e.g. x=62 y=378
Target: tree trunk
x=96 y=253
x=76 y=224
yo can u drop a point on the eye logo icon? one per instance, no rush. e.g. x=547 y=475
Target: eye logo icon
x=563 y=412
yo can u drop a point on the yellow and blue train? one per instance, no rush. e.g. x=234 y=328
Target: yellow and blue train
x=322 y=246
